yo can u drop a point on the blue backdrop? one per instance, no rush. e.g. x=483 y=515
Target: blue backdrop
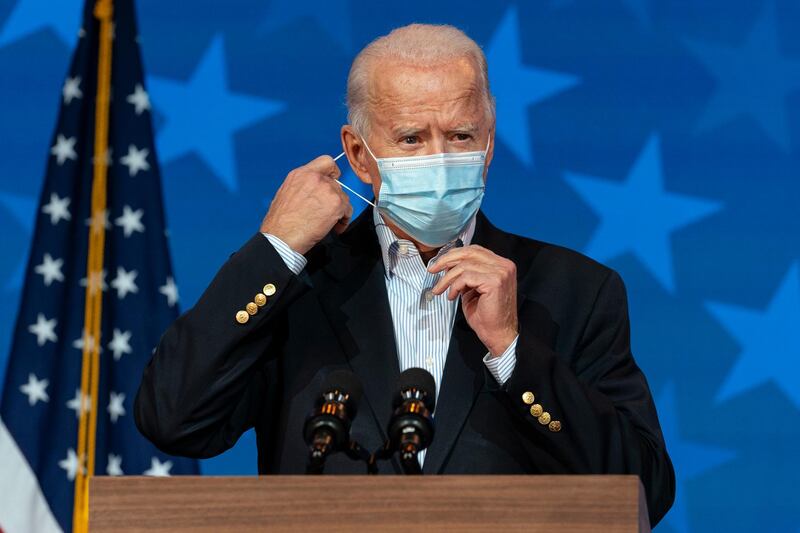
x=661 y=137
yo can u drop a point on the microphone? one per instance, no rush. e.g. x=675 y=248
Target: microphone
x=327 y=427
x=411 y=424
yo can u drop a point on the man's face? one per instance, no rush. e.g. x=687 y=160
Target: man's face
x=423 y=110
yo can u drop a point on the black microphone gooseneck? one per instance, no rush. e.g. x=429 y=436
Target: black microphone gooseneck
x=411 y=425
x=327 y=427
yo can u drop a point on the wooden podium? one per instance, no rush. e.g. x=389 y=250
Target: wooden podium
x=368 y=503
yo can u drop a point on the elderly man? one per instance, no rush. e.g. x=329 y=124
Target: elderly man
x=528 y=342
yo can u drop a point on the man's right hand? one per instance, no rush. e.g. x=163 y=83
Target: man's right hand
x=308 y=205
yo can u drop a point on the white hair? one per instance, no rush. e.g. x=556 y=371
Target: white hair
x=418 y=45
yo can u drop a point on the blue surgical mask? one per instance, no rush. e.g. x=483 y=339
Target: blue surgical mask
x=431 y=197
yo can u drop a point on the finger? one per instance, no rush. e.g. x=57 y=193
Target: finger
x=468 y=281
x=458 y=269
x=457 y=255
x=325 y=165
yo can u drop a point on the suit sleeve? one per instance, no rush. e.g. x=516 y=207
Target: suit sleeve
x=207 y=379
x=602 y=419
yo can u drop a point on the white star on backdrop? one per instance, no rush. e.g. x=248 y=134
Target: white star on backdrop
x=64 y=149
x=136 y=160
x=44 y=329
x=35 y=389
x=170 y=290
x=70 y=464
x=120 y=344
x=140 y=99
x=130 y=221
x=71 y=89
x=124 y=282
x=157 y=468
x=50 y=269
x=81 y=402
x=96 y=280
x=79 y=343
x=114 y=467
x=115 y=407
x=57 y=208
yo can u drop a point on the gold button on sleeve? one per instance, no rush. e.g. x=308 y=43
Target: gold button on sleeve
x=536 y=410
x=251 y=308
x=545 y=418
x=269 y=289
x=260 y=300
x=528 y=397
x=242 y=317
x=555 y=426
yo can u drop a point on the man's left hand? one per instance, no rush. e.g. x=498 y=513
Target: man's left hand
x=487 y=284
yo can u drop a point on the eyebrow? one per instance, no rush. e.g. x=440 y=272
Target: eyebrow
x=403 y=131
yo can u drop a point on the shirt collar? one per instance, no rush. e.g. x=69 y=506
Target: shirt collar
x=393 y=247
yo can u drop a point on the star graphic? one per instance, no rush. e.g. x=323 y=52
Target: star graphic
x=130 y=221
x=81 y=402
x=97 y=280
x=690 y=459
x=120 y=344
x=64 y=149
x=638 y=215
x=136 y=160
x=23 y=210
x=115 y=407
x=50 y=269
x=753 y=79
x=768 y=340
x=170 y=290
x=332 y=16
x=85 y=339
x=70 y=464
x=28 y=16
x=140 y=99
x=71 y=89
x=125 y=282
x=35 y=389
x=114 y=466
x=517 y=86
x=194 y=120
x=107 y=158
x=57 y=208
x=44 y=329
x=98 y=221
x=157 y=468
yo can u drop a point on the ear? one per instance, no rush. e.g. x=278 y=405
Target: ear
x=357 y=155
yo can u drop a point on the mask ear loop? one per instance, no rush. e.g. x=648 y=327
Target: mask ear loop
x=348 y=188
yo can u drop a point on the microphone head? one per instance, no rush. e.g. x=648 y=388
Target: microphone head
x=422 y=380
x=344 y=381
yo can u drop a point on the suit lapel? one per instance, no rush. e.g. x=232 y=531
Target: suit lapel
x=357 y=307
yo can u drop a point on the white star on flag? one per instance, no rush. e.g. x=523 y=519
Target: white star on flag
x=35 y=389
x=57 y=208
x=50 y=269
x=107 y=157
x=81 y=402
x=114 y=467
x=64 y=149
x=170 y=290
x=124 y=282
x=130 y=221
x=157 y=468
x=120 y=344
x=115 y=407
x=99 y=221
x=140 y=99
x=72 y=89
x=136 y=160
x=44 y=329
x=79 y=343
x=71 y=464
x=97 y=280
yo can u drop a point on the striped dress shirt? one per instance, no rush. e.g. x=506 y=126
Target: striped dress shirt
x=422 y=321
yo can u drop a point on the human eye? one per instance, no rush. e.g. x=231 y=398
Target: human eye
x=462 y=137
x=410 y=139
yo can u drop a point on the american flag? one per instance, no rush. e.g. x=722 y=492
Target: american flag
x=42 y=397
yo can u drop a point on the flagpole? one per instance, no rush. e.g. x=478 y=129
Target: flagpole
x=90 y=365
